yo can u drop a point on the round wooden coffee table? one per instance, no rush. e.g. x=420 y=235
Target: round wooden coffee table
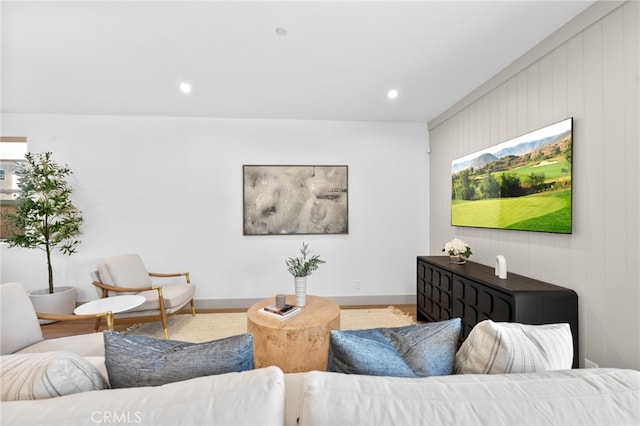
x=297 y=344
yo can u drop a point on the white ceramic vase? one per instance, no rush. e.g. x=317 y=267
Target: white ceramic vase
x=301 y=290
x=457 y=259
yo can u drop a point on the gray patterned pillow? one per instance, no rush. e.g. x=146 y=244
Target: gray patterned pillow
x=134 y=361
x=411 y=351
x=46 y=375
x=501 y=347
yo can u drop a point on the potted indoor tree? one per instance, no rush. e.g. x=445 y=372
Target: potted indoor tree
x=46 y=219
x=301 y=268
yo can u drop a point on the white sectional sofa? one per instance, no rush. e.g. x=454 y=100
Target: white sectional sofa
x=267 y=396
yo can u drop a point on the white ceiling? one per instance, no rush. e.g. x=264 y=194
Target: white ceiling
x=336 y=63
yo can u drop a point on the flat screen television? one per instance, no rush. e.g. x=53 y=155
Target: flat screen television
x=522 y=184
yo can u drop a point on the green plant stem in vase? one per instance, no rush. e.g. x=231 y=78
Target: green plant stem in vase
x=301 y=267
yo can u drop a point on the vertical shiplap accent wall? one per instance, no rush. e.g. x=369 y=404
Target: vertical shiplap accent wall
x=592 y=76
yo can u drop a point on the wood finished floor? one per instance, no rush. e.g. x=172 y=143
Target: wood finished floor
x=70 y=328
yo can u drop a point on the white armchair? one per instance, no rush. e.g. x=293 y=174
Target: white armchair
x=127 y=274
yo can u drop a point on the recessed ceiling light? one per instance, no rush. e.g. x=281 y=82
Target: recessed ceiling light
x=281 y=31
x=185 y=87
x=392 y=94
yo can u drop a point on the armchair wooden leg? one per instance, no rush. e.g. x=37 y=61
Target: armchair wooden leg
x=163 y=320
x=163 y=313
x=165 y=327
x=193 y=308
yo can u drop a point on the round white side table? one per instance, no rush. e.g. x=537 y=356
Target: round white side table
x=114 y=304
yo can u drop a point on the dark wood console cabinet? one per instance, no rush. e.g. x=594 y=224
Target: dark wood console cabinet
x=473 y=293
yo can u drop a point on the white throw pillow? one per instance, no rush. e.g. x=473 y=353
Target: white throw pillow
x=495 y=348
x=46 y=375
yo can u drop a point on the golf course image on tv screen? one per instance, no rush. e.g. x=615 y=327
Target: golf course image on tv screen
x=521 y=184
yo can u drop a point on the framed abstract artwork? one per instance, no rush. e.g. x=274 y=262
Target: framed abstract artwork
x=284 y=200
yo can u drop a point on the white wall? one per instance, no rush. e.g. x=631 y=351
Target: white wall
x=592 y=74
x=170 y=189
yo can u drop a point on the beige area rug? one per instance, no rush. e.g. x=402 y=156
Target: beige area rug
x=205 y=327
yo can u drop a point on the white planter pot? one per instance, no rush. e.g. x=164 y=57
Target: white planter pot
x=301 y=290
x=62 y=301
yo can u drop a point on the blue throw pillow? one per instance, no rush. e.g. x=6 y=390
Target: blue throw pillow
x=134 y=361
x=411 y=351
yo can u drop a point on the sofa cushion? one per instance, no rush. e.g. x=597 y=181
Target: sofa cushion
x=45 y=375
x=255 y=397
x=145 y=361
x=594 y=396
x=501 y=347
x=411 y=351
x=19 y=326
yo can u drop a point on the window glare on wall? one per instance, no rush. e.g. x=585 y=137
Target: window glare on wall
x=12 y=152
x=13 y=149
